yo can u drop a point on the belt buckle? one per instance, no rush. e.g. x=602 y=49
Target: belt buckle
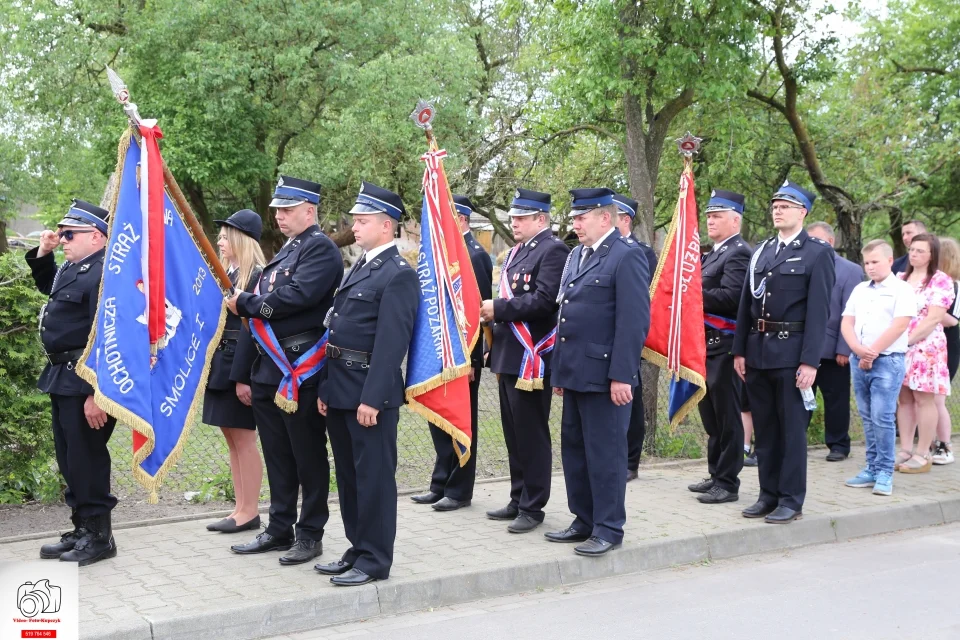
x=333 y=351
x=761 y=325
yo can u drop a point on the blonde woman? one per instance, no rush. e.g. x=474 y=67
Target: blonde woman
x=227 y=402
x=950 y=265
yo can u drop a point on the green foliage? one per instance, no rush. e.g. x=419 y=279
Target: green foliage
x=27 y=467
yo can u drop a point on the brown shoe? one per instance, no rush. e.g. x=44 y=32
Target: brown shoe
x=916 y=464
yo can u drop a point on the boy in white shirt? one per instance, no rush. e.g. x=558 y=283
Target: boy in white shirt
x=875 y=324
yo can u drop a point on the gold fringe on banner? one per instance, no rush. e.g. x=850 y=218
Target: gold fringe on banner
x=122 y=414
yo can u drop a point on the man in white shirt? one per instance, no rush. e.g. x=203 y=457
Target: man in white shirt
x=874 y=324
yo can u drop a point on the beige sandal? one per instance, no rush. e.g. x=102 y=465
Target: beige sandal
x=912 y=466
x=902 y=456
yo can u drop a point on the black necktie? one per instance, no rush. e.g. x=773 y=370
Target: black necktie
x=586 y=256
x=363 y=261
x=780 y=247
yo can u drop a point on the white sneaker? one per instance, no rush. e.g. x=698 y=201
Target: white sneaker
x=942 y=455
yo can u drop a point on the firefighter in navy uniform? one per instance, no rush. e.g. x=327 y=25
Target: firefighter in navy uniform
x=81 y=429
x=295 y=291
x=637 y=431
x=530 y=278
x=781 y=327
x=451 y=486
x=603 y=322
x=371 y=324
x=723 y=271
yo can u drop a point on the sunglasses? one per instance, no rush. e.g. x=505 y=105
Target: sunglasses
x=69 y=233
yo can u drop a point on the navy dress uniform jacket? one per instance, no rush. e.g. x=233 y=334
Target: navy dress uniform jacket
x=304 y=275
x=604 y=317
x=723 y=272
x=849 y=275
x=483 y=270
x=387 y=289
x=541 y=259
x=799 y=284
x=68 y=316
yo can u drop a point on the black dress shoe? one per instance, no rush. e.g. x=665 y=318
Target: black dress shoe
x=504 y=513
x=783 y=515
x=836 y=455
x=750 y=460
x=523 y=523
x=632 y=474
x=249 y=525
x=262 y=543
x=302 y=551
x=54 y=550
x=594 y=546
x=220 y=524
x=701 y=487
x=758 y=510
x=449 y=504
x=333 y=568
x=352 y=578
x=718 y=495
x=427 y=498
x=567 y=535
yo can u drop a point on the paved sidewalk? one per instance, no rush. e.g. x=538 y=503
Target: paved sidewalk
x=178 y=580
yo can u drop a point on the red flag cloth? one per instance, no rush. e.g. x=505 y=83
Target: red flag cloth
x=676 y=340
x=448 y=318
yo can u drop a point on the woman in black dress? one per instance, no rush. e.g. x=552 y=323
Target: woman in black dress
x=226 y=403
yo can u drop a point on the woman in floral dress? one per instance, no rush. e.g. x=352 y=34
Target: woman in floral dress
x=926 y=361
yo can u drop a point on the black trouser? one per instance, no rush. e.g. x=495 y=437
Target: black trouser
x=720 y=413
x=365 y=459
x=637 y=429
x=526 y=430
x=295 y=452
x=834 y=384
x=83 y=457
x=780 y=424
x=591 y=445
x=449 y=478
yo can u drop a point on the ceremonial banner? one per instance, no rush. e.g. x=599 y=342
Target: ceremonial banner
x=676 y=340
x=160 y=315
x=448 y=318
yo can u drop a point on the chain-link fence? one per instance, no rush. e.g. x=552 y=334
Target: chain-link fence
x=204 y=466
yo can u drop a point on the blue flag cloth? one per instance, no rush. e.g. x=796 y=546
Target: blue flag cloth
x=155 y=391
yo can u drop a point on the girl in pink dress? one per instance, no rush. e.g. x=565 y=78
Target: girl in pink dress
x=926 y=361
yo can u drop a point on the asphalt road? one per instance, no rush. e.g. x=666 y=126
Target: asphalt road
x=897 y=586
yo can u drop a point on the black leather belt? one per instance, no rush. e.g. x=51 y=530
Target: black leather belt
x=336 y=353
x=65 y=356
x=295 y=343
x=714 y=336
x=765 y=326
x=230 y=334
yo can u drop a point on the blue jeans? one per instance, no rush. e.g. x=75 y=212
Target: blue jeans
x=876 y=390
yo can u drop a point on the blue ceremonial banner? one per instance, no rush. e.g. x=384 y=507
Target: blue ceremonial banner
x=153 y=388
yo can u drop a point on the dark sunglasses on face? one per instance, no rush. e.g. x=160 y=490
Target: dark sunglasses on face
x=69 y=233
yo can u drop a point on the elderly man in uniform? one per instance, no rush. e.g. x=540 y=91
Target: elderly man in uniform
x=723 y=272
x=451 y=486
x=603 y=322
x=627 y=208
x=781 y=328
x=361 y=390
x=295 y=291
x=525 y=322
x=833 y=376
x=81 y=429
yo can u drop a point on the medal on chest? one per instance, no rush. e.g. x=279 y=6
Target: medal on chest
x=273 y=278
x=516 y=277
x=526 y=282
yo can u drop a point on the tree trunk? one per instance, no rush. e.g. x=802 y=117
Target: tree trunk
x=4 y=247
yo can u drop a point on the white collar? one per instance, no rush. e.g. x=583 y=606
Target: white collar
x=886 y=282
x=716 y=247
x=537 y=235
x=373 y=253
x=786 y=241
x=599 y=242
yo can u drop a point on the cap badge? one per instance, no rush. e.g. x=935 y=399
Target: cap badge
x=280 y=182
x=713 y=194
x=516 y=194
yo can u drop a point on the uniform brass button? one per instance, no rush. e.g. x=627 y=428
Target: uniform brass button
x=359 y=295
x=336 y=315
x=596 y=281
x=332 y=331
x=769 y=273
x=604 y=355
x=563 y=339
x=570 y=285
x=768 y=315
x=769 y=294
x=563 y=319
x=791 y=270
